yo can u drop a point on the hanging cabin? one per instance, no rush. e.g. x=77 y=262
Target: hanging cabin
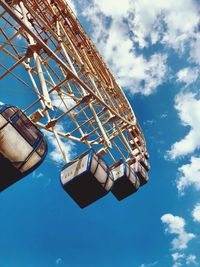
x=140 y=171
x=87 y=178
x=142 y=160
x=22 y=146
x=126 y=181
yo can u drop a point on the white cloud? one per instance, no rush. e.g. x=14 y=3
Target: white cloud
x=113 y=8
x=156 y=20
x=37 y=175
x=164 y=115
x=119 y=26
x=58 y=261
x=191 y=259
x=176 y=225
x=63 y=104
x=187 y=75
x=56 y=154
x=189 y=175
x=177 y=256
x=149 y=264
x=195 y=48
x=149 y=122
x=188 y=107
x=132 y=70
x=196 y=213
x=177 y=264
x=67 y=145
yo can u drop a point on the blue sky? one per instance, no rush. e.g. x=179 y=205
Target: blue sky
x=152 y=47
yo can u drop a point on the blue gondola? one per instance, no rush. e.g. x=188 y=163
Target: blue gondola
x=87 y=178
x=22 y=146
x=126 y=181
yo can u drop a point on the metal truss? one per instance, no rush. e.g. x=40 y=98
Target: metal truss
x=76 y=95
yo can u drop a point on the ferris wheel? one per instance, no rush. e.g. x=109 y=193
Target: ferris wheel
x=46 y=51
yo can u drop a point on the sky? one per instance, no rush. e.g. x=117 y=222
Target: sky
x=153 y=50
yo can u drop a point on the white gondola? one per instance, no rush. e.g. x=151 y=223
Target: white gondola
x=141 y=172
x=87 y=178
x=143 y=162
x=22 y=146
x=126 y=181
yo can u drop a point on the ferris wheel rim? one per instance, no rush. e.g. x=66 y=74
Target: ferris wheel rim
x=129 y=123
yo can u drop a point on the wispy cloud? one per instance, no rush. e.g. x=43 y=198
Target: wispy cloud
x=63 y=104
x=149 y=122
x=180 y=259
x=164 y=115
x=37 y=175
x=188 y=108
x=162 y=21
x=177 y=264
x=155 y=21
x=187 y=75
x=176 y=225
x=177 y=256
x=191 y=259
x=189 y=175
x=195 y=47
x=58 y=261
x=55 y=153
x=125 y=28
x=114 y=38
x=149 y=264
x=196 y=213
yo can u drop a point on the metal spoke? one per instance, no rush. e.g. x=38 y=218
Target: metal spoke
x=72 y=85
